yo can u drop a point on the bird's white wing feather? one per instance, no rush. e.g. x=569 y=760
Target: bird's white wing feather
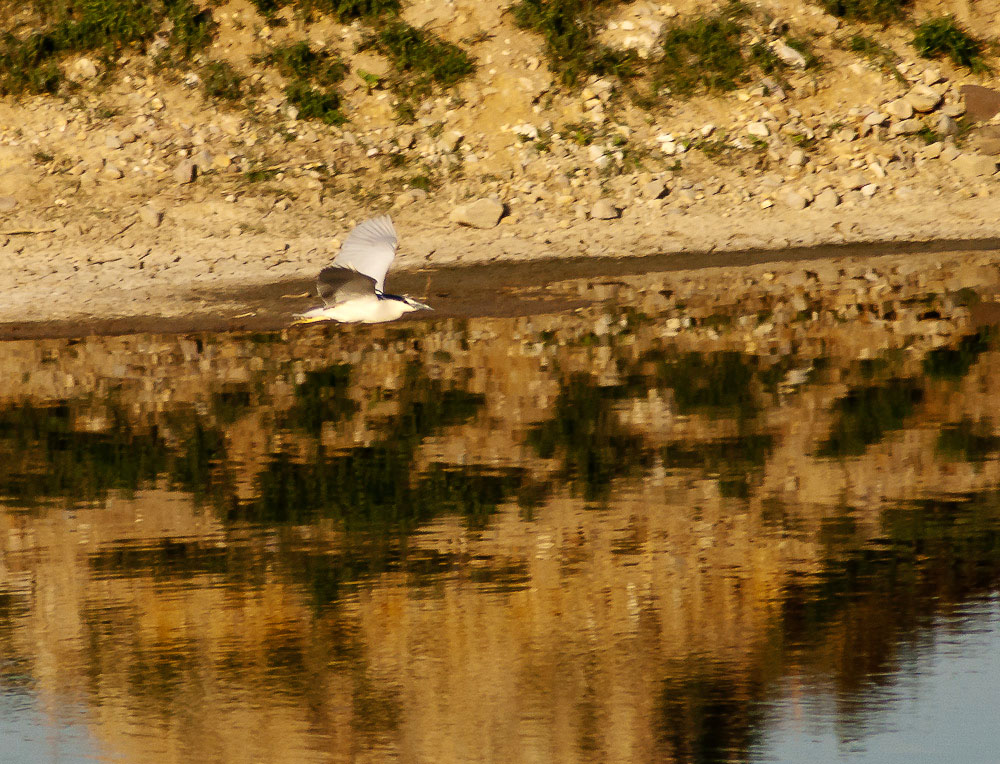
x=369 y=249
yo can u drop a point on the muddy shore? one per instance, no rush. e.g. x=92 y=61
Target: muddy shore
x=499 y=288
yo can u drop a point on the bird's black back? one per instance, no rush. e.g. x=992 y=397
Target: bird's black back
x=336 y=284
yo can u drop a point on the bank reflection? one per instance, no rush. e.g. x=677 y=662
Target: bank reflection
x=517 y=539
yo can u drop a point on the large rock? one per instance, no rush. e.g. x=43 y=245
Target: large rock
x=826 y=199
x=203 y=160
x=981 y=104
x=185 y=171
x=986 y=140
x=788 y=54
x=450 y=140
x=853 y=181
x=923 y=98
x=876 y=118
x=604 y=209
x=654 y=189
x=410 y=196
x=83 y=69
x=975 y=165
x=151 y=215
x=906 y=127
x=794 y=199
x=945 y=125
x=900 y=109
x=482 y=213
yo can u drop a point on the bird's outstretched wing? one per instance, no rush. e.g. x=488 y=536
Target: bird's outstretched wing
x=369 y=249
x=336 y=285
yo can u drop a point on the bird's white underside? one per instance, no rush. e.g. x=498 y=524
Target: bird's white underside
x=362 y=310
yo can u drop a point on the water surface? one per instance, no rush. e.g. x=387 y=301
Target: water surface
x=646 y=531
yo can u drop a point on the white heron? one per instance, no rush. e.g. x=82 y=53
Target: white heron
x=351 y=288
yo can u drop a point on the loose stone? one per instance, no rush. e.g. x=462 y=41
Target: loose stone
x=826 y=199
x=923 y=98
x=151 y=215
x=794 y=199
x=482 y=213
x=906 y=127
x=185 y=171
x=604 y=209
x=900 y=109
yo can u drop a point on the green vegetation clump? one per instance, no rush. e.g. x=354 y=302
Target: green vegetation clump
x=717 y=385
x=704 y=53
x=345 y=11
x=884 y=58
x=943 y=36
x=29 y=63
x=707 y=53
x=569 y=28
x=300 y=61
x=314 y=75
x=322 y=397
x=220 y=81
x=881 y=11
x=420 y=58
x=313 y=103
x=192 y=30
x=349 y=10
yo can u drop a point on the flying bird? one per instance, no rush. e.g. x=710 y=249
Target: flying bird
x=352 y=288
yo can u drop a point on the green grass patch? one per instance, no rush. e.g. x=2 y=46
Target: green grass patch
x=884 y=58
x=259 y=175
x=880 y=11
x=421 y=182
x=345 y=11
x=708 y=54
x=313 y=76
x=300 y=61
x=348 y=10
x=928 y=135
x=29 y=63
x=420 y=58
x=314 y=103
x=193 y=29
x=220 y=81
x=942 y=37
x=581 y=133
x=570 y=28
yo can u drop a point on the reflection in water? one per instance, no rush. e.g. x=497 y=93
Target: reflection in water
x=559 y=538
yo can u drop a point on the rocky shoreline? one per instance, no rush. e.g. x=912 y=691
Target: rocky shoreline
x=137 y=197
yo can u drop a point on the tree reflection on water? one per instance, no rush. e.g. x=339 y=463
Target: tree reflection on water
x=359 y=554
